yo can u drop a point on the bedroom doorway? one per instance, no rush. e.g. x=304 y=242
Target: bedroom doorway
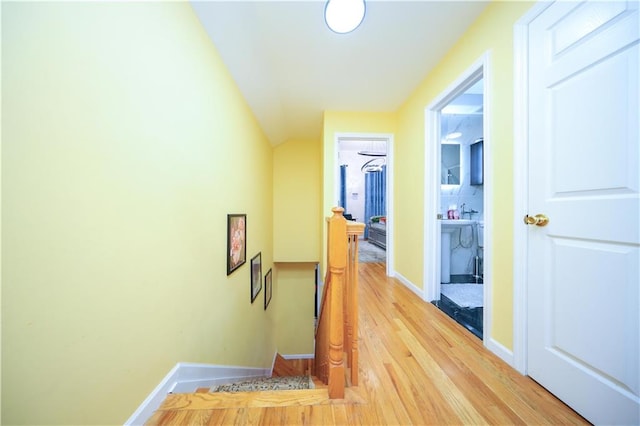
x=364 y=190
x=457 y=252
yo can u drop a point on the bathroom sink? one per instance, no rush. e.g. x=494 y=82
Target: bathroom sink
x=450 y=225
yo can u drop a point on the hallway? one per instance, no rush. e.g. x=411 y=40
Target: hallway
x=417 y=366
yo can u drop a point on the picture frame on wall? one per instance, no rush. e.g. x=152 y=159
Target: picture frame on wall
x=236 y=241
x=268 y=286
x=256 y=276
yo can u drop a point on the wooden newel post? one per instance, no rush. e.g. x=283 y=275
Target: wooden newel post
x=337 y=260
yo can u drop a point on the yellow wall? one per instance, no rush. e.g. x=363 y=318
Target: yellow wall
x=493 y=31
x=293 y=302
x=296 y=243
x=336 y=122
x=296 y=201
x=125 y=144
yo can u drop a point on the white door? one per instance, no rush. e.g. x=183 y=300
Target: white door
x=583 y=280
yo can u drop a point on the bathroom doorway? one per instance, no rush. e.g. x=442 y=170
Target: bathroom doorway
x=456 y=202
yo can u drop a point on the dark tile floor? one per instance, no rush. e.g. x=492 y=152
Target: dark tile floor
x=469 y=318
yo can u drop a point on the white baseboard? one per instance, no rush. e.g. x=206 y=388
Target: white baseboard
x=501 y=351
x=273 y=362
x=186 y=377
x=498 y=349
x=411 y=286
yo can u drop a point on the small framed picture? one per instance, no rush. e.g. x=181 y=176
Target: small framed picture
x=267 y=289
x=256 y=276
x=236 y=241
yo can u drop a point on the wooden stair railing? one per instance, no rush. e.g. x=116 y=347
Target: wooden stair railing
x=354 y=230
x=337 y=330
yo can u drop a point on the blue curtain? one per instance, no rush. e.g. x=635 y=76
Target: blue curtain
x=375 y=190
x=343 y=187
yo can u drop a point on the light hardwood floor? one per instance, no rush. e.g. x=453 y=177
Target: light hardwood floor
x=417 y=366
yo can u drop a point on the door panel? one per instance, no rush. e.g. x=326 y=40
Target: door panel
x=584 y=20
x=601 y=89
x=603 y=322
x=583 y=298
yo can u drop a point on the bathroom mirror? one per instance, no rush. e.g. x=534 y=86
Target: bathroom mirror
x=450 y=165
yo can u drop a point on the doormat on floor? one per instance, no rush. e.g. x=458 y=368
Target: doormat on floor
x=464 y=295
x=266 y=383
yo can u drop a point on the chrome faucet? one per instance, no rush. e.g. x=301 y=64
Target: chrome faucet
x=463 y=211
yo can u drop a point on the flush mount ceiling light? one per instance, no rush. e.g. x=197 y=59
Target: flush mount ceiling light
x=454 y=135
x=344 y=16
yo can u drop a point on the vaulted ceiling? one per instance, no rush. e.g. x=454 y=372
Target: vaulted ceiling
x=290 y=67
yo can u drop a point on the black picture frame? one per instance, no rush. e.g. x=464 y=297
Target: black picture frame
x=236 y=241
x=256 y=276
x=268 y=289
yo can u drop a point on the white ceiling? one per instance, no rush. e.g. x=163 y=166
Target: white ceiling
x=290 y=67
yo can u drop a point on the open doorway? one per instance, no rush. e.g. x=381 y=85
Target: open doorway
x=456 y=202
x=364 y=188
x=462 y=207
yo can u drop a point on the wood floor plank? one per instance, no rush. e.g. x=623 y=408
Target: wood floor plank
x=295 y=415
x=180 y=418
x=481 y=370
x=155 y=418
x=339 y=415
x=199 y=401
x=456 y=381
x=223 y=417
x=417 y=366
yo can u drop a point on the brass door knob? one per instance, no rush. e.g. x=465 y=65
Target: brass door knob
x=538 y=220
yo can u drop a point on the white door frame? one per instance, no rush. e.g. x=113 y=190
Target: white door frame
x=521 y=183
x=432 y=252
x=388 y=139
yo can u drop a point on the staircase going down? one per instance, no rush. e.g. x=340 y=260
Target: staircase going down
x=294 y=374
x=331 y=378
x=285 y=372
